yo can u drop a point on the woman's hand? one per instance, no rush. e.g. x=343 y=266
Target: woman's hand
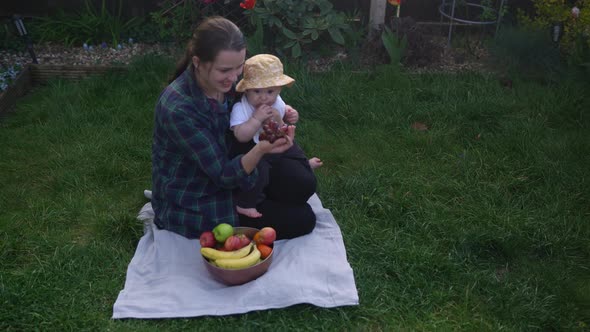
x=280 y=145
x=291 y=115
x=252 y=157
x=262 y=113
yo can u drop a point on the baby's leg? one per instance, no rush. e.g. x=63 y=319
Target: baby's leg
x=247 y=200
x=249 y=212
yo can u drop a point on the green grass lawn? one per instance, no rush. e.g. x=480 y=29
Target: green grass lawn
x=479 y=223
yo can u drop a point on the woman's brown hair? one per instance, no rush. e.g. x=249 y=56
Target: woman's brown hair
x=213 y=35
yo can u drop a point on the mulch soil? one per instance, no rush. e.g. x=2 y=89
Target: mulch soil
x=56 y=54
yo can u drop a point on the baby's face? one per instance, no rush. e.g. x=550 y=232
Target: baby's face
x=263 y=96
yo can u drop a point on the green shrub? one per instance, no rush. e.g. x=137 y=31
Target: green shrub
x=297 y=24
x=256 y=40
x=176 y=20
x=575 y=39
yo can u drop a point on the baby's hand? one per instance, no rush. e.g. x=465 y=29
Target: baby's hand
x=262 y=113
x=291 y=115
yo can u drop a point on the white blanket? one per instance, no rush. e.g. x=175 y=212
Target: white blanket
x=166 y=278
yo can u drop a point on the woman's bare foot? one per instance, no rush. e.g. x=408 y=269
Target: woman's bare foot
x=249 y=212
x=315 y=163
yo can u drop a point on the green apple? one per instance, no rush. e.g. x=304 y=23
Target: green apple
x=222 y=232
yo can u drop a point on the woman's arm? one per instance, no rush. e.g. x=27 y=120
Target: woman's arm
x=190 y=136
x=251 y=159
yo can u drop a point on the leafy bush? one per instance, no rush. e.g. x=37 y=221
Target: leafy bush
x=256 y=40
x=88 y=26
x=176 y=20
x=356 y=35
x=576 y=30
x=296 y=24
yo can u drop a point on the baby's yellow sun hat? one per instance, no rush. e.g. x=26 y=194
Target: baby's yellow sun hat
x=263 y=71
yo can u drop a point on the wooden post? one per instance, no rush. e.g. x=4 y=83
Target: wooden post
x=377 y=14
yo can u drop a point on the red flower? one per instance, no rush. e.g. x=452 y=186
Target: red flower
x=395 y=2
x=248 y=4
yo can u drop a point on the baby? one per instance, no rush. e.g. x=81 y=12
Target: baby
x=262 y=83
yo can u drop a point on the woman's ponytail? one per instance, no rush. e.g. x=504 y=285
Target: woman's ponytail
x=181 y=66
x=212 y=36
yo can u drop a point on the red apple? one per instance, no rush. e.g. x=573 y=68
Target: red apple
x=244 y=240
x=207 y=240
x=266 y=235
x=232 y=243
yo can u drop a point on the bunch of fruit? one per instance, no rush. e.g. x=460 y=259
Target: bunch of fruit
x=272 y=130
x=227 y=250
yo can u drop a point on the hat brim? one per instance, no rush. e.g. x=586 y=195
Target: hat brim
x=282 y=80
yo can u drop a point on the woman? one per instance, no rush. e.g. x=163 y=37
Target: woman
x=192 y=174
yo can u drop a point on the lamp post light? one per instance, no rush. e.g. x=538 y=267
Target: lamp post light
x=22 y=31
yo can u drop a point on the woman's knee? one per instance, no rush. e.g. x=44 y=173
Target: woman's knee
x=301 y=223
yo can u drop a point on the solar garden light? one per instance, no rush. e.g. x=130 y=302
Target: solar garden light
x=556 y=31
x=22 y=31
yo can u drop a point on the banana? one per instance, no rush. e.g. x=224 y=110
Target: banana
x=215 y=254
x=240 y=263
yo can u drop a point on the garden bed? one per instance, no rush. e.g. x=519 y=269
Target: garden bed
x=39 y=74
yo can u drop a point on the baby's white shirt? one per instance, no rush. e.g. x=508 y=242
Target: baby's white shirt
x=242 y=112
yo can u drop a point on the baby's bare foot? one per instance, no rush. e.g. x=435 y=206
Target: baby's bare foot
x=249 y=212
x=315 y=163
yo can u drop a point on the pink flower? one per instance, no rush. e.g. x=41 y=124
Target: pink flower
x=575 y=12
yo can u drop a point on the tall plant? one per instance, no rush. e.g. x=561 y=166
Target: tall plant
x=395 y=46
x=87 y=26
x=299 y=23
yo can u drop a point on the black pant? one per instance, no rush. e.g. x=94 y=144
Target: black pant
x=251 y=198
x=291 y=182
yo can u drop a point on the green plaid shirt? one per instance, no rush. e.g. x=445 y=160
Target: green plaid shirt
x=192 y=175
